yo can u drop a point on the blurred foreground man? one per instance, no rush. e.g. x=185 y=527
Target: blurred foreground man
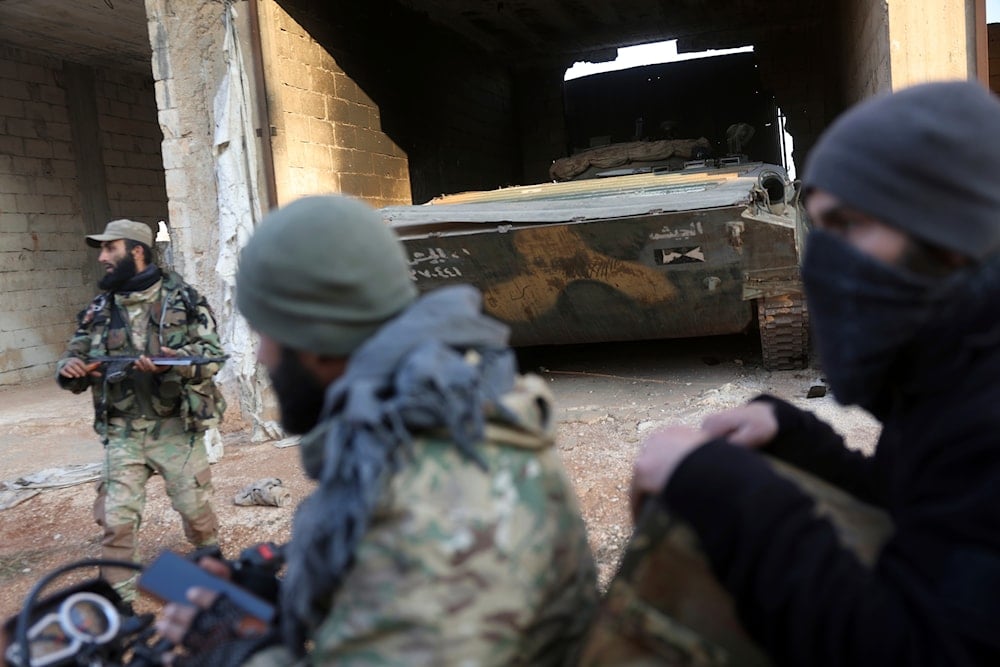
x=442 y=530
x=902 y=280
x=151 y=417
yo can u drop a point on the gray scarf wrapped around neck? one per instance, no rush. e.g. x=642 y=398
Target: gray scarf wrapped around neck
x=413 y=375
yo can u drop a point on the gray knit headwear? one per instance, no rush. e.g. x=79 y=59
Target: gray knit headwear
x=322 y=274
x=925 y=160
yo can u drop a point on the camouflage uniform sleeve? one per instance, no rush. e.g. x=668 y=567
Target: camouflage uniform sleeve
x=465 y=567
x=79 y=348
x=201 y=340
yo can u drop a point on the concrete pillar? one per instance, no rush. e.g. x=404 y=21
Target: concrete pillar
x=210 y=214
x=930 y=41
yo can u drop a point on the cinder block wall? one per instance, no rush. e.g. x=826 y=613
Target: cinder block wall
x=131 y=142
x=327 y=130
x=47 y=273
x=376 y=101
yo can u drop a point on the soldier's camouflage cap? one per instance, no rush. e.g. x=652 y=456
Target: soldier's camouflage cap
x=123 y=229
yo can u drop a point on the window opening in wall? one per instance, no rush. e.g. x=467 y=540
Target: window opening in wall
x=164 y=250
x=787 y=145
x=646 y=54
x=162 y=232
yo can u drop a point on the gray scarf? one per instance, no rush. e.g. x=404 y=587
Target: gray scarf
x=435 y=366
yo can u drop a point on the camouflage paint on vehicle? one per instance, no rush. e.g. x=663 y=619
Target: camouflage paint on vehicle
x=671 y=255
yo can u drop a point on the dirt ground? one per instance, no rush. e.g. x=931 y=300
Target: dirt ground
x=608 y=398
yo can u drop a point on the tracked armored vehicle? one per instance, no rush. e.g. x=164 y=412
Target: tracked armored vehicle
x=706 y=250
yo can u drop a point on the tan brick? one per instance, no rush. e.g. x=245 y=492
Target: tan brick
x=337 y=110
x=312 y=104
x=33 y=73
x=347 y=136
x=299 y=77
x=323 y=81
x=55 y=204
x=321 y=132
x=51 y=95
x=55 y=186
x=30 y=203
x=38 y=148
x=59 y=131
x=10 y=106
x=358 y=115
x=317 y=156
x=296 y=127
x=21 y=127
x=346 y=88
x=63 y=168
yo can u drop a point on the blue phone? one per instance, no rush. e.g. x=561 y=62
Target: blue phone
x=170 y=576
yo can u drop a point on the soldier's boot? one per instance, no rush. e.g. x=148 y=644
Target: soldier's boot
x=119 y=544
x=202 y=529
x=665 y=607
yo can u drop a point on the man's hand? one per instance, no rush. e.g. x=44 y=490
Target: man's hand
x=78 y=368
x=146 y=365
x=176 y=620
x=751 y=425
x=659 y=456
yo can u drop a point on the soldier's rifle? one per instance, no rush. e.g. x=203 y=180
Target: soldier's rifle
x=118 y=365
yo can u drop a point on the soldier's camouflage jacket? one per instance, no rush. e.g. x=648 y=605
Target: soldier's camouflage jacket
x=462 y=566
x=170 y=314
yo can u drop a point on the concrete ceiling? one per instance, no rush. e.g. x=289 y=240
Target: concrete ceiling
x=113 y=33
x=99 y=33
x=535 y=30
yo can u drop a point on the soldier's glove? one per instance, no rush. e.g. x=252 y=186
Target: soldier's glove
x=221 y=623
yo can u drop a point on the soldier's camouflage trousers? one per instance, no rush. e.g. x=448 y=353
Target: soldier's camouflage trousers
x=135 y=451
x=664 y=606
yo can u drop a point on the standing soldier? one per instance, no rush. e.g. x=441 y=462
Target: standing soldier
x=152 y=406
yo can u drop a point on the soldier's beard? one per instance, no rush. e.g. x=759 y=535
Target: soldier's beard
x=123 y=272
x=300 y=394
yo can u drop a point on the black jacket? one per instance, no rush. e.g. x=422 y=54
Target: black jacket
x=933 y=597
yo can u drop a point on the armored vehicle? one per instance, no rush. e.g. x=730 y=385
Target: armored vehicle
x=705 y=250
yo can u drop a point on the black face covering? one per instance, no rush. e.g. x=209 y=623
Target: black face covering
x=864 y=313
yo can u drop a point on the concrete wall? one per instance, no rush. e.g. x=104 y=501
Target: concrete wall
x=863 y=31
x=327 y=133
x=77 y=147
x=930 y=41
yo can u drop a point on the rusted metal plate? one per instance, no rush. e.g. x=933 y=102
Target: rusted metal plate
x=626 y=258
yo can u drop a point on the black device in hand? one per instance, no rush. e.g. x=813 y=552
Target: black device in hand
x=170 y=576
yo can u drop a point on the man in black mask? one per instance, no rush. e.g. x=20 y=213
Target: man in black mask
x=150 y=415
x=902 y=279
